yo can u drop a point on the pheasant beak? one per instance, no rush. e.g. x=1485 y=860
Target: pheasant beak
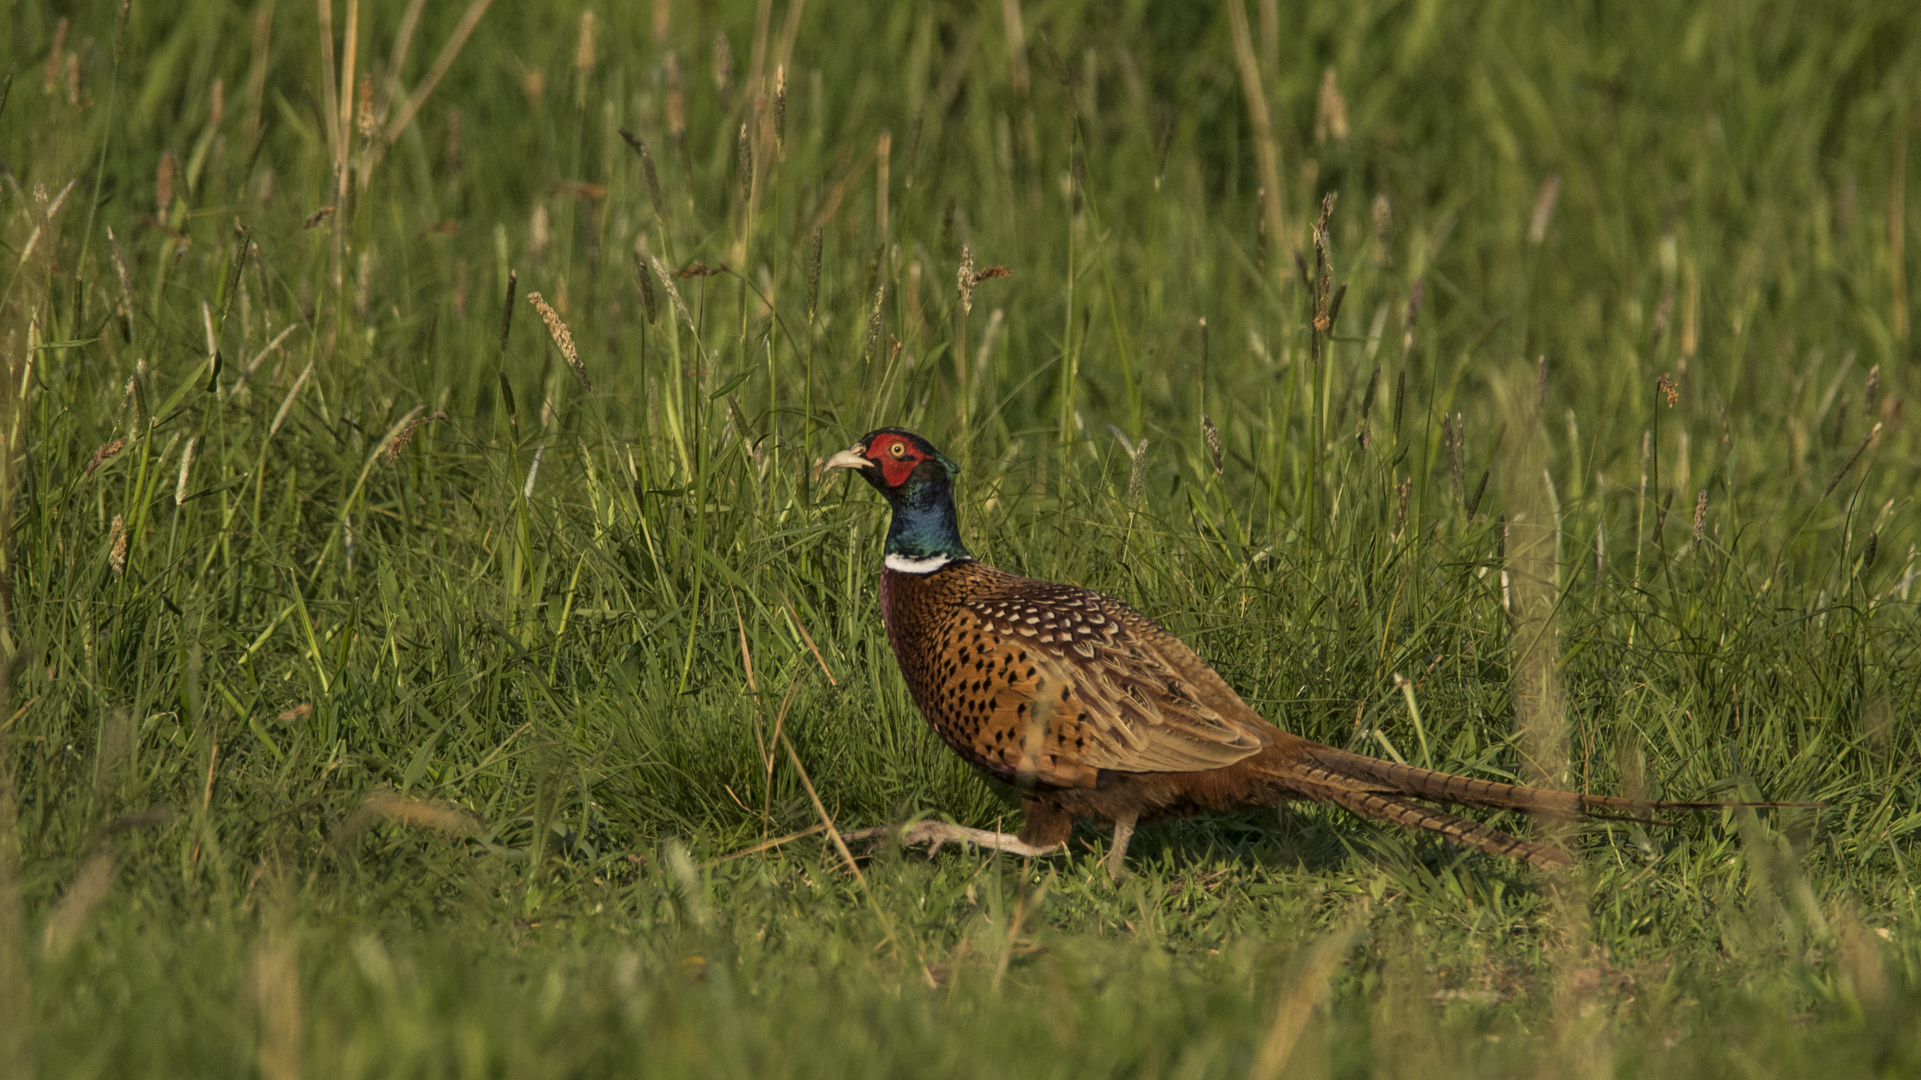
x=849 y=459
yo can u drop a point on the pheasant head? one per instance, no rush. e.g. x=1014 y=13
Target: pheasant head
x=918 y=483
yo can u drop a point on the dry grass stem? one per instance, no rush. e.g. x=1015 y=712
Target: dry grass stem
x=1265 y=152
x=69 y=917
x=1016 y=46
x=1293 y=1011
x=1859 y=449
x=826 y=819
x=293 y=394
x=1898 y=226
x=448 y=53
x=276 y=985
x=1531 y=569
x=403 y=44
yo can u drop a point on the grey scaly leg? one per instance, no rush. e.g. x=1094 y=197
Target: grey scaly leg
x=1117 y=854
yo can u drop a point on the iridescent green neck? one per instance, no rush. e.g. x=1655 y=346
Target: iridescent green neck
x=924 y=525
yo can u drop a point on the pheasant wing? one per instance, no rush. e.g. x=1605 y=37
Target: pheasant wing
x=1109 y=689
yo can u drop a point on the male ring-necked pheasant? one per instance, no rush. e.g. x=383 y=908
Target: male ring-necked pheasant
x=1093 y=710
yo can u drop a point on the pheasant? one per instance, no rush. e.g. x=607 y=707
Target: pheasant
x=1091 y=709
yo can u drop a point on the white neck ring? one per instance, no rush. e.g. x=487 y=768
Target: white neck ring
x=907 y=565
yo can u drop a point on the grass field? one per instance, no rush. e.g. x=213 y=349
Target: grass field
x=388 y=692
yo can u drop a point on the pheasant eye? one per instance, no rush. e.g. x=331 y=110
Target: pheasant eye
x=899 y=450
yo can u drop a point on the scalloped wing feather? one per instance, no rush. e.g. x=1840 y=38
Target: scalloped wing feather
x=1125 y=694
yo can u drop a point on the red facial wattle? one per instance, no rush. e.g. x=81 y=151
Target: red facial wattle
x=896 y=458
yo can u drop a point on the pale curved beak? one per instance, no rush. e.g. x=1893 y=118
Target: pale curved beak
x=848 y=459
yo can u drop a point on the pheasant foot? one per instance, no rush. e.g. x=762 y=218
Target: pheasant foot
x=935 y=834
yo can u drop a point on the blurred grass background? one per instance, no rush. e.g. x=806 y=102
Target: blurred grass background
x=386 y=694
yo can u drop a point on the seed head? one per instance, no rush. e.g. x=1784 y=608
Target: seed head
x=1137 y=474
x=1544 y=208
x=647 y=290
x=1383 y=223
x=557 y=329
x=401 y=440
x=105 y=454
x=647 y=167
x=1414 y=296
x=53 y=58
x=780 y=109
x=126 y=276
x=539 y=232
x=966 y=277
x=874 y=320
x=119 y=33
x=163 y=183
x=723 y=66
x=117 y=553
x=453 y=146
x=676 y=100
x=744 y=164
x=813 y=272
x=1662 y=312
x=1330 y=110
x=666 y=277
x=584 y=48
x=364 y=119
x=1260 y=227
x=507 y=312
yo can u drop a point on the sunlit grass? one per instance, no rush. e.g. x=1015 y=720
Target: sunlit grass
x=391 y=691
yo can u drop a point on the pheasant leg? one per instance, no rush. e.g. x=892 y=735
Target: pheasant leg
x=1117 y=854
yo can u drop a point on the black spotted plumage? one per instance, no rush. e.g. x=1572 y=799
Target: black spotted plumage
x=1094 y=710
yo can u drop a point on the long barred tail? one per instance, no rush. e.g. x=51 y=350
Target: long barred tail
x=1467 y=791
x=1381 y=789
x=1367 y=800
